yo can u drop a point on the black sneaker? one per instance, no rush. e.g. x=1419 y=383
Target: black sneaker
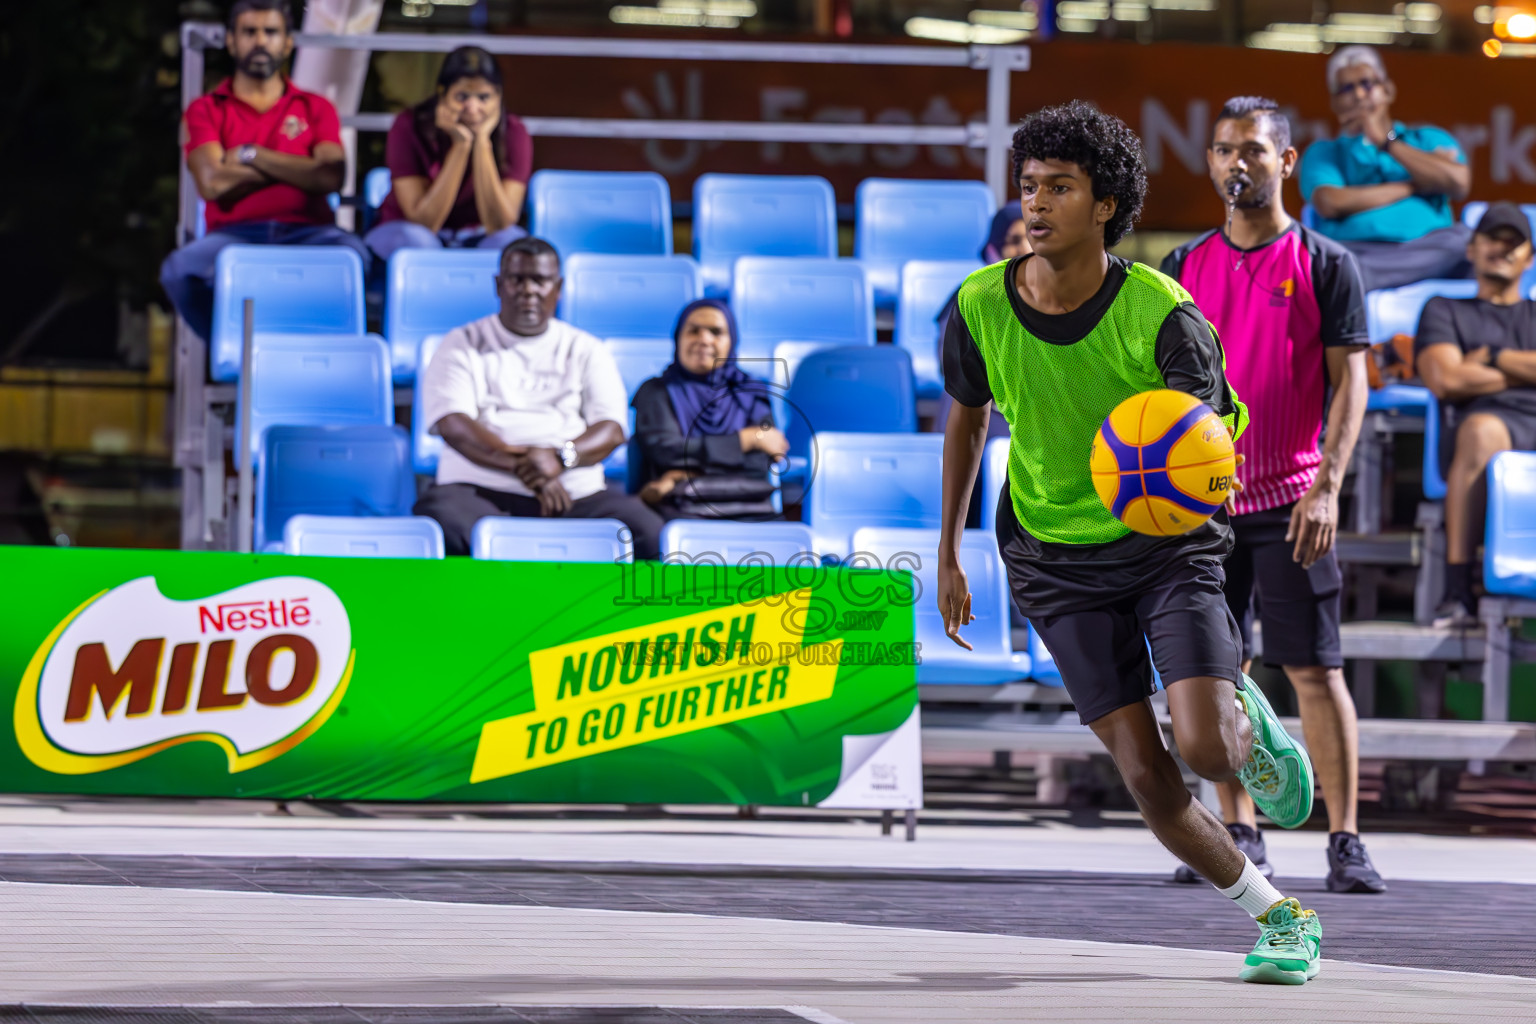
x=1349 y=866
x=1248 y=840
x=1453 y=613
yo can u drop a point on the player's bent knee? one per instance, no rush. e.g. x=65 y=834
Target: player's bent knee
x=1215 y=758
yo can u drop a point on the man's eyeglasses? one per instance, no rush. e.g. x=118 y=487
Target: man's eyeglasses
x=1365 y=85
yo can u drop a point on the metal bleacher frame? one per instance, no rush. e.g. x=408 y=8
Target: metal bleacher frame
x=203 y=410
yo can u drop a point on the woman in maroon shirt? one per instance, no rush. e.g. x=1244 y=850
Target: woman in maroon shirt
x=458 y=164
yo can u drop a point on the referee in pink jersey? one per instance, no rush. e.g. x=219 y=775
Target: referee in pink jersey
x=1288 y=306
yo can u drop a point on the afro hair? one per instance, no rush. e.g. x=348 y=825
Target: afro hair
x=1101 y=144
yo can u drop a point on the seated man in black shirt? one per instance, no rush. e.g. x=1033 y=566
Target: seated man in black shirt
x=1479 y=358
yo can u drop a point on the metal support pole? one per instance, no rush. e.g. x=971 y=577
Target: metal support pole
x=1496 y=659
x=195 y=38
x=887 y=818
x=911 y=825
x=243 y=512
x=1369 y=475
x=1000 y=62
x=191 y=426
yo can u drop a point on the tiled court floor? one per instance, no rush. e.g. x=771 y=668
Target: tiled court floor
x=1484 y=928
x=244 y=919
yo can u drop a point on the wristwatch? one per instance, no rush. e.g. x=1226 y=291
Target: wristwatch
x=246 y=155
x=1392 y=137
x=568 y=455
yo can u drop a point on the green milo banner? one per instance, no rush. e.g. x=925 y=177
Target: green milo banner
x=216 y=675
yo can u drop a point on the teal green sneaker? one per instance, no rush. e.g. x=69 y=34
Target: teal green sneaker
x=1278 y=774
x=1289 y=949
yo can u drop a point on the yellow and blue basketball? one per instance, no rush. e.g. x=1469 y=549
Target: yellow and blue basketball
x=1162 y=462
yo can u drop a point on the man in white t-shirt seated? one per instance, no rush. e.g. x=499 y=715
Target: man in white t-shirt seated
x=529 y=407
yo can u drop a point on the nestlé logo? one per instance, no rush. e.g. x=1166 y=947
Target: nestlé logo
x=255 y=670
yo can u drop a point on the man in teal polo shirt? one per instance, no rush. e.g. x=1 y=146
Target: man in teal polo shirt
x=1382 y=188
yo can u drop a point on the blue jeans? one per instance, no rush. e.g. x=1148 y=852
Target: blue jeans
x=187 y=273
x=385 y=239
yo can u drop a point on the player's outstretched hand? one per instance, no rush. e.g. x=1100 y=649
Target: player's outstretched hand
x=1314 y=525
x=954 y=599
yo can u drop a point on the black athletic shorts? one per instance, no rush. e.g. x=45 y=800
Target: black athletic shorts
x=1097 y=619
x=1520 y=424
x=1298 y=607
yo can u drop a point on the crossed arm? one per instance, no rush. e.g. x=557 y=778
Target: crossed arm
x=221 y=179
x=1430 y=173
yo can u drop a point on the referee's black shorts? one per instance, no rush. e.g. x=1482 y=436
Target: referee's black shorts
x=1299 y=608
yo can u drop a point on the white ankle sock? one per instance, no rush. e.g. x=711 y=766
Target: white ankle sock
x=1252 y=890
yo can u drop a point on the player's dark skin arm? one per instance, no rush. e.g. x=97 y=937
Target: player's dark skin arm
x=1315 y=516
x=965 y=439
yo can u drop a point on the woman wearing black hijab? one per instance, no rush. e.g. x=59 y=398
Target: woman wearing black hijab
x=704 y=433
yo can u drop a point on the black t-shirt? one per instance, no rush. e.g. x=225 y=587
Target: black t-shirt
x=1472 y=323
x=1056 y=579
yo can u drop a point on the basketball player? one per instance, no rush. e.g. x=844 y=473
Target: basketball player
x=1288 y=305
x=1057 y=339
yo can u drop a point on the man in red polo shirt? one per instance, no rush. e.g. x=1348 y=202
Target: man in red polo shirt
x=264 y=153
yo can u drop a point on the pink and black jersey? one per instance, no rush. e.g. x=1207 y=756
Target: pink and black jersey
x=1275 y=308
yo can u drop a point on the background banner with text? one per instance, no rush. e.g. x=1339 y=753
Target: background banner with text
x=220 y=675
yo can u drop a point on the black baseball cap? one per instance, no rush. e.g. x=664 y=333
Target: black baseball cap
x=1505 y=215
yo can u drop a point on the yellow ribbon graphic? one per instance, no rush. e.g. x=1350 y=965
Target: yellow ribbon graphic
x=663 y=679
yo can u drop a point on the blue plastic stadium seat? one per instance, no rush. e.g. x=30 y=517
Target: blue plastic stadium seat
x=1509 y=548
x=425 y=446
x=639 y=359
x=899 y=220
x=925 y=286
x=305 y=380
x=1434 y=481
x=364 y=536
x=865 y=388
x=432 y=291
x=759 y=215
x=943 y=661
x=627 y=212
x=509 y=539
x=777 y=299
x=627 y=296
x=299 y=289
x=994 y=473
x=331 y=471
x=729 y=543
x=376 y=186
x=872 y=480
x=1404 y=399
x=1391 y=311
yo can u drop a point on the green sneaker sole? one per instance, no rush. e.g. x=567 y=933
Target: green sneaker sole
x=1278 y=774
x=1272 y=974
